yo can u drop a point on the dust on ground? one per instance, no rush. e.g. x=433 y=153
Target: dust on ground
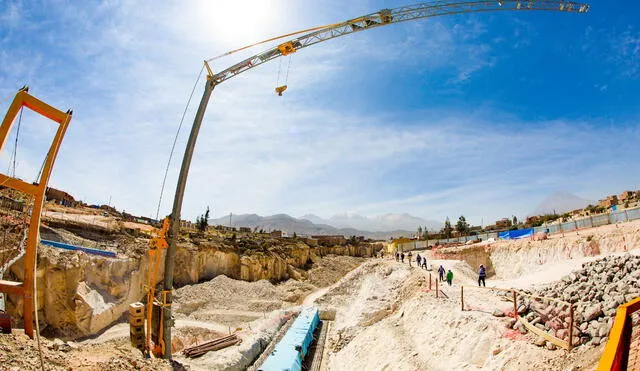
x=388 y=318
x=18 y=352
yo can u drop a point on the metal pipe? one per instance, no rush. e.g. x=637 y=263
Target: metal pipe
x=174 y=230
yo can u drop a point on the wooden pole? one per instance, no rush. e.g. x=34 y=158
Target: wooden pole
x=570 y=327
x=429 y=281
x=515 y=305
x=436 y=288
x=462 y=298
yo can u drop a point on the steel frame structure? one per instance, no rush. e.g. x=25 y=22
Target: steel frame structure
x=37 y=190
x=390 y=16
x=374 y=20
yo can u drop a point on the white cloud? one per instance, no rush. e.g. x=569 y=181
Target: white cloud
x=129 y=70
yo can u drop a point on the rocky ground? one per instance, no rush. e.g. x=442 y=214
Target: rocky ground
x=596 y=291
x=18 y=352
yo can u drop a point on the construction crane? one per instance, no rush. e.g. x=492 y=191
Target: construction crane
x=314 y=36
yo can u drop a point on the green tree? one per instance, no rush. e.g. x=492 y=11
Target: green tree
x=202 y=221
x=447 y=228
x=515 y=220
x=462 y=226
x=419 y=232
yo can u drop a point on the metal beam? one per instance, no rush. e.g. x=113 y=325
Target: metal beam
x=174 y=231
x=390 y=16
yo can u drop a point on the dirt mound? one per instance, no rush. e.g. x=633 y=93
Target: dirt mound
x=331 y=268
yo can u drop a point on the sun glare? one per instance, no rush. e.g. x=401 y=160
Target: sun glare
x=234 y=24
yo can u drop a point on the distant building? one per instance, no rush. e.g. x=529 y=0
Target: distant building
x=187 y=224
x=278 y=233
x=626 y=195
x=245 y=229
x=609 y=201
x=59 y=197
x=532 y=219
x=330 y=240
x=224 y=228
x=503 y=223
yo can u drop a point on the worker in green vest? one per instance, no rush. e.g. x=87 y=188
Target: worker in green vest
x=449 y=277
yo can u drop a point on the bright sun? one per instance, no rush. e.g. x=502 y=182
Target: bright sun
x=235 y=23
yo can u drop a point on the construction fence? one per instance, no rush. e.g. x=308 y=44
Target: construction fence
x=549 y=318
x=592 y=221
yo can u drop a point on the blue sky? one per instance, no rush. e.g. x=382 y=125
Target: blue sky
x=477 y=114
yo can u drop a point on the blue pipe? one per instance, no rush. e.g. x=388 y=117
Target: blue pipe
x=60 y=245
x=289 y=353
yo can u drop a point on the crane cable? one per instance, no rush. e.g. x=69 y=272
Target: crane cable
x=273 y=39
x=15 y=147
x=173 y=147
x=286 y=78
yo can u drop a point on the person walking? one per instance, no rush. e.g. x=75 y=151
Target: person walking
x=449 y=277
x=482 y=274
x=441 y=273
x=381 y=254
x=418 y=259
x=424 y=262
x=410 y=255
x=397 y=256
x=402 y=257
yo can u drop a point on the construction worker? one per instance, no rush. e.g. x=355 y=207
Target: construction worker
x=482 y=274
x=449 y=277
x=441 y=273
x=410 y=255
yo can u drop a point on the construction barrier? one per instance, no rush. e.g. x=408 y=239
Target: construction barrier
x=592 y=221
x=553 y=313
x=291 y=350
x=622 y=350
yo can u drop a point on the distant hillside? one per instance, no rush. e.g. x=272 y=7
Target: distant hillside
x=380 y=223
x=561 y=202
x=290 y=224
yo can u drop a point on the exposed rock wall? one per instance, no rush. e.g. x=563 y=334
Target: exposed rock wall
x=80 y=295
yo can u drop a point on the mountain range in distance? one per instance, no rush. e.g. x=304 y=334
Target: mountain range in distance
x=347 y=224
x=378 y=227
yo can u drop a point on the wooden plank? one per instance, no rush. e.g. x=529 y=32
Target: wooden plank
x=546 y=336
x=11 y=287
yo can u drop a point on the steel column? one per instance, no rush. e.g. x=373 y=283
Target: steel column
x=174 y=231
